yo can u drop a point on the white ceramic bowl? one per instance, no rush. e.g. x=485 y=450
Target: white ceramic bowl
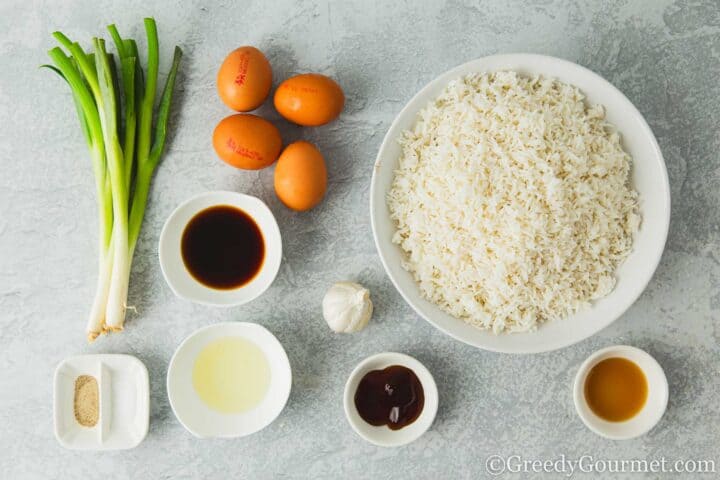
x=383 y=436
x=654 y=407
x=649 y=177
x=183 y=284
x=195 y=415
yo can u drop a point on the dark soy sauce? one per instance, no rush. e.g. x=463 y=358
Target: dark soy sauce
x=222 y=247
x=393 y=397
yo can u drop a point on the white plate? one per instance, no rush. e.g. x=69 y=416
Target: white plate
x=123 y=386
x=383 y=436
x=651 y=412
x=183 y=284
x=195 y=415
x=649 y=178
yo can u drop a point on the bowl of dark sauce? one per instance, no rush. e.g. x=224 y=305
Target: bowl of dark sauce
x=220 y=248
x=390 y=399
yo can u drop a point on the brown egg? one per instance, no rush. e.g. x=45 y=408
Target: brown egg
x=244 y=79
x=310 y=99
x=247 y=141
x=300 y=176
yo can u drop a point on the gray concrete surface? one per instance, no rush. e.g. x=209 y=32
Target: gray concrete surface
x=665 y=56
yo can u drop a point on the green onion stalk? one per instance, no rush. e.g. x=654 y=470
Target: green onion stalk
x=126 y=137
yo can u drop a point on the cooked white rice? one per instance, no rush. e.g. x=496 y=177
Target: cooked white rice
x=512 y=201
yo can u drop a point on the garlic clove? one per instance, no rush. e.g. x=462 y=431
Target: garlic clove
x=347 y=307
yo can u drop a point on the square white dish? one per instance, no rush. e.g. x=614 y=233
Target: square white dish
x=123 y=386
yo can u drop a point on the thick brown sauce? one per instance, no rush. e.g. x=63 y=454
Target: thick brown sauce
x=222 y=247
x=393 y=397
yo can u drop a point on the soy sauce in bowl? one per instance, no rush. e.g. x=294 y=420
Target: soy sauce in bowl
x=222 y=247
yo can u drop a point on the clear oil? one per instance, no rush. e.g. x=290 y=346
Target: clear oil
x=231 y=375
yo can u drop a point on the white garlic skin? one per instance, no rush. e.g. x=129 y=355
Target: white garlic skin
x=347 y=307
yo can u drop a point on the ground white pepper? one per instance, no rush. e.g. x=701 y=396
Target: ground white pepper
x=86 y=403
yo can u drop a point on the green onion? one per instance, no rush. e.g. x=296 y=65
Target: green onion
x=116 y=116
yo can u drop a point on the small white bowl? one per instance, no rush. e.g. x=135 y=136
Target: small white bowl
x=195 y=415
x=651 y=412
x=183 y=284
x=124 y=402
x=383 y=436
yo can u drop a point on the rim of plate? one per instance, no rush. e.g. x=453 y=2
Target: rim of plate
x=522 y=61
